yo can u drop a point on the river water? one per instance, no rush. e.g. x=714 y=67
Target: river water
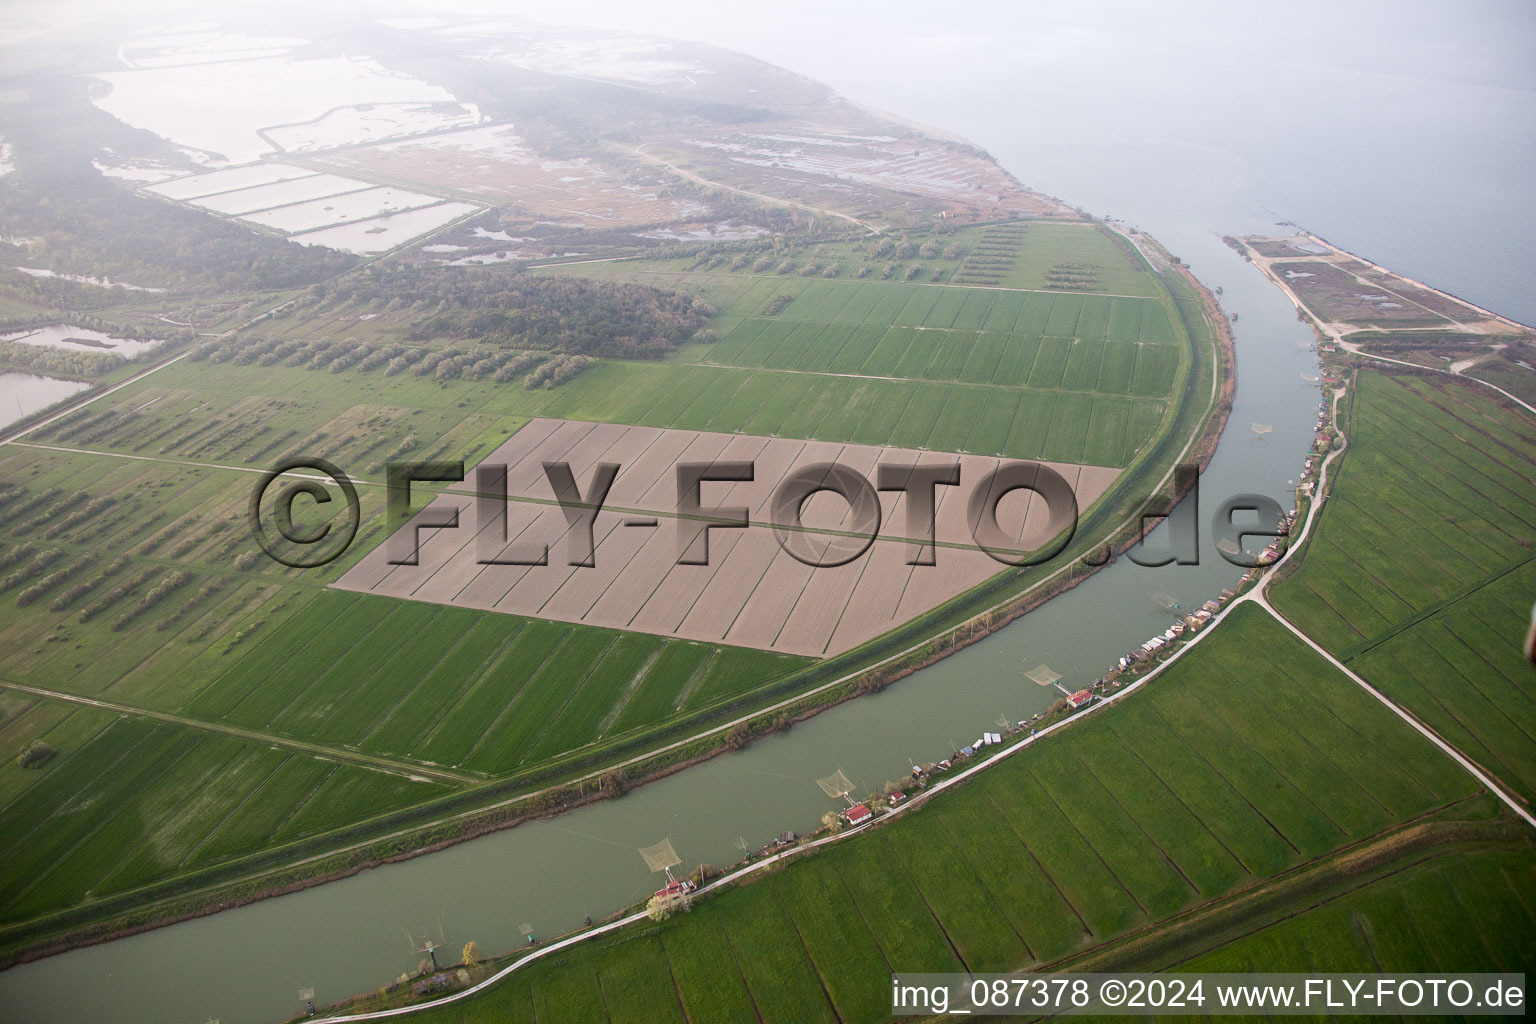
x=1163 y=145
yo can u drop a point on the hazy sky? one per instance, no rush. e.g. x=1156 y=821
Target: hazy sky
x=1343 y=116
x=1489 y=42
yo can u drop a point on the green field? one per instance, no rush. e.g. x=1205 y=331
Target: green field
x=1010 y=368
x=1455 y=912
x=458 y=690
x=1185 y=796
x=1055 y=375
x=1421 y=575
x=163 y=797
x=277 y=656
x=126 y=575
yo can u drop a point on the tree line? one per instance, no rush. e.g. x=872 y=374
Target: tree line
x=572 y=315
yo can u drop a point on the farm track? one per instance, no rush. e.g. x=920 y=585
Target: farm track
x=990 y=385
x=640 y=152
x=394 y=767
x=1258 y=595
x=736 y=275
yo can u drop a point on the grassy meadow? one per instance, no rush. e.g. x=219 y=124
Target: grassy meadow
x=1421 y=574
x=1184 y=798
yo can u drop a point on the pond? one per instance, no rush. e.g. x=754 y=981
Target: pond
x=82 y=339
x=22 y=394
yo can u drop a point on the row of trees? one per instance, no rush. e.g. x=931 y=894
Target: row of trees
x=577 y=316
x=557 y=371
x=60 y=362
x=502 y=365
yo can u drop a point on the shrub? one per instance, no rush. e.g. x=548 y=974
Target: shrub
x=776 y=304
x=36 y=754
x=557 y=371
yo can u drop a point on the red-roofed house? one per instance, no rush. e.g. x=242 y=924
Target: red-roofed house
x=1080 y=698
x=858 y=814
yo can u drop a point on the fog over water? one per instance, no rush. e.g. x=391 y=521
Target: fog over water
x=1400 y=131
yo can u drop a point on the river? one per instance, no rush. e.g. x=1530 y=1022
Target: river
x=1176 y=141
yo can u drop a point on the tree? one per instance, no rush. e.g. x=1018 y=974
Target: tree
x=36 y=754
x=659 y=908
x=612 y=784
x=472 y=955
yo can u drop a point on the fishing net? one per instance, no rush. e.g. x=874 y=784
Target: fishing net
x=836 y=784
x=1043 y=675
x=661 y=856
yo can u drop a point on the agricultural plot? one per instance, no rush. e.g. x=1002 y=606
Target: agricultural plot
x=339 y=701
x=334 y=209
x=344 y=213
x=264 y=672
x=1115 y=360
x=1456 y=912
x=1181 y=796
x=230 y=179
x=1108 y=364
x=1016 y=262
x=456 y=686
x=207 y=413
x=168 y=797
x=279 y=193
x=1421 y=571
x=753 y=592
x=212 y=413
